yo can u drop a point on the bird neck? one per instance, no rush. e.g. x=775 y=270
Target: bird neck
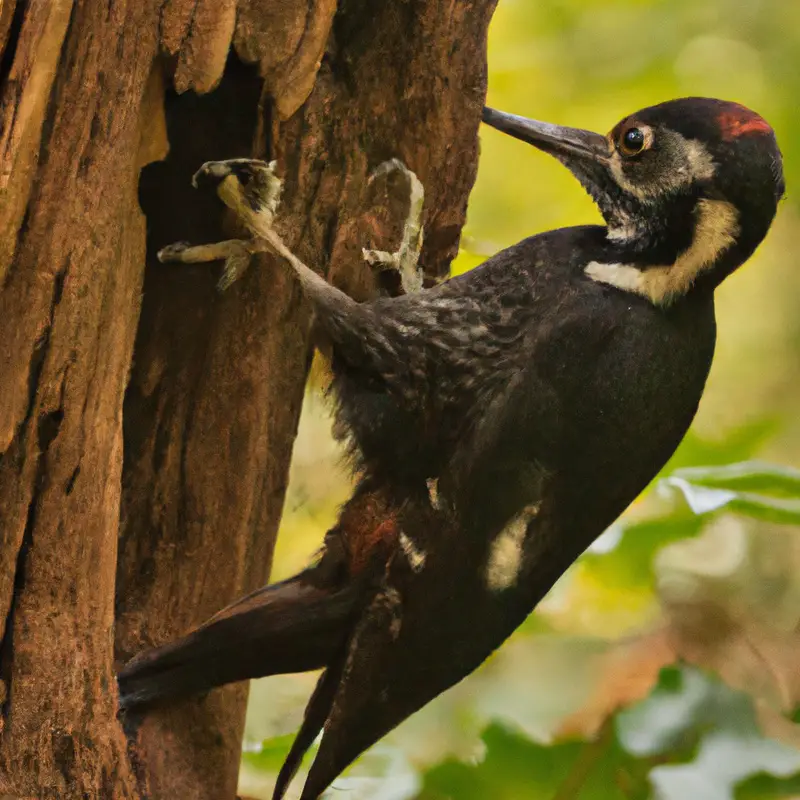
x=670 y=249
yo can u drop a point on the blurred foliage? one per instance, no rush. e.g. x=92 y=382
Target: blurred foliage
x=691 y=738
x=558 y=715
x=585 y=700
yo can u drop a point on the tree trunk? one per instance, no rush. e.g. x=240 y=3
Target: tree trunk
x=147 y=420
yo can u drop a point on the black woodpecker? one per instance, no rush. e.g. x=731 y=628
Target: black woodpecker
x=501 y=421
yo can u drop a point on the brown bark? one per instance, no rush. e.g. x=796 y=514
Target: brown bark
x=146 y=421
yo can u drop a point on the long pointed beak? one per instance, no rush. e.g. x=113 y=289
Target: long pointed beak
x=554 y=139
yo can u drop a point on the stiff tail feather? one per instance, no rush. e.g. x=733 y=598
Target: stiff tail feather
x=291 y=626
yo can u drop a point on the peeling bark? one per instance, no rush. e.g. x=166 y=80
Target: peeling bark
x=146 y=421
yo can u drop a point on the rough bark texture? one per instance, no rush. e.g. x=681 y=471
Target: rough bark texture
x=146 y=421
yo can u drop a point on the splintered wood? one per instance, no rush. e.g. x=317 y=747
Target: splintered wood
x=146 y=423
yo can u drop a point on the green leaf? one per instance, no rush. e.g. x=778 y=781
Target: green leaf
x=746 y=476
x=704 y=499
x=684 y=702
x=768 y=492
x=269 y=755
x=769 y=787
x=382 y=769
x=514 y=767
x=630 y=563
x=694 y=737
x=756 y=489
x=689 y=706
x=725 y=759
x=739 y=445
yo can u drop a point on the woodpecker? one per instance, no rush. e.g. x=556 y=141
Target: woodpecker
x=501 y=420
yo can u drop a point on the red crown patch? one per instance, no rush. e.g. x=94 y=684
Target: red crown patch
x=739 y=121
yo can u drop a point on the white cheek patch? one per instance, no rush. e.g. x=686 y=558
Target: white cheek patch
x=505 y=555
x=700 y=164
x=716 y=229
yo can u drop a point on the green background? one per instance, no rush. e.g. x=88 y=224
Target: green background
x=665 y=664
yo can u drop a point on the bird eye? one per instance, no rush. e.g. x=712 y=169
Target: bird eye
x=633 y=141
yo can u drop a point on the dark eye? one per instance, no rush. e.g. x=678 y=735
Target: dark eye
x=633 y=141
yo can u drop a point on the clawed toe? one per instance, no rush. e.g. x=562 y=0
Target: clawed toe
x=394 y=165
x=172 y=252
x=235 y=266
x=246 y=185
x=252 y=190
x=405 y=259
x=211 y=173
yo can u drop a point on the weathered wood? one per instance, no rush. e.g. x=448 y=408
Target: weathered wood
x=74 y=242
x=7 y=8
x=287 y=40
x=146 y=421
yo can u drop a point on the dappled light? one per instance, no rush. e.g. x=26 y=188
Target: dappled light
x=664 y=663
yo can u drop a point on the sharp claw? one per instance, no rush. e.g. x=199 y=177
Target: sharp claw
x=226 y=280
x=381 y=259
x=210 y=174
x=214 y=172
x=392 y=165
x=248 y=186
x=172 y=251
x=406 y=258
x=235 y=267
x=251 y=189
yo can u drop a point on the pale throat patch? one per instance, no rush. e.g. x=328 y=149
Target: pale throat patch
x=716 y=229
x=507 y=550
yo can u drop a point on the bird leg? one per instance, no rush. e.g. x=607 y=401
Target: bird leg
x=252 y=190
x=236 y=254
x=405 y=259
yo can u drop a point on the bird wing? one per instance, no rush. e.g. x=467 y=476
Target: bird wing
x=467 y=569
x=397 y=658
x=431 y=620
x=414 y=376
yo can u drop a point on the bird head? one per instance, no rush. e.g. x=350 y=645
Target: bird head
x=687 y=188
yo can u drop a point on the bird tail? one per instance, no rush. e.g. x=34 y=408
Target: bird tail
x=291 y=626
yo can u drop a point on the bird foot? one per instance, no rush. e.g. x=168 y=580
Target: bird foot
x=234 y=252
x=173 y=252
x=252 y=190
x=405 y=259
x=246 y=185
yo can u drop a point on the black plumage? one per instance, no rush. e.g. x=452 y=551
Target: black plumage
x=500 y=421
